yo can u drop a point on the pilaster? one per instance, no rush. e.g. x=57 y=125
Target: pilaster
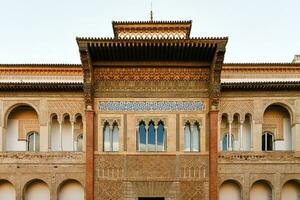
x=213 y=154
x=44 y=137
x=89 y=154
x=256 y=139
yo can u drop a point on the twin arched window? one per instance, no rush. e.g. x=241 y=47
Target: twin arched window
x=191 y=136
x=33 y=141
x=111 y=137
x=151 y=137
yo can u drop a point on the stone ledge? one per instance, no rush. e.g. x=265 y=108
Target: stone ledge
x=274 y=156
x=42 y=157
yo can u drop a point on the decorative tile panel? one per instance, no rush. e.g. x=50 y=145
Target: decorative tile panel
x=151 y=105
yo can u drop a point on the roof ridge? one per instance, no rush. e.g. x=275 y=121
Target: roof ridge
x=261 y=63
x=39 y=64
x=153 y=22
x=151 y=39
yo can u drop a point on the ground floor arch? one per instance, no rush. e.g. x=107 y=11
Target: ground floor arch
x=230 y=190
x=36 y=190
x=71 y=189
x=7 y=190
x=291 y=190
x=261 y=190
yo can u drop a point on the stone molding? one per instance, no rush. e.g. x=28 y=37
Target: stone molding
x=42 y=157
x=258 y=157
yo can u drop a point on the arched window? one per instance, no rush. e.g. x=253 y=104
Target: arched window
x=79 y=142
x=107 y=146
x=142 y=136
x=111 y=137
x=115 y=137
x=33 y=141
x=151 y=138
x=267 y=142
x=225 y=142
x=191 y=136
x=160 y=136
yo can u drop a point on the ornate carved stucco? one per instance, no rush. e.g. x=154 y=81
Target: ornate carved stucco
x=26 y=126
x=241 y=107
x=151 y=74
x=62 y=107
x=145 y=81
x=110 y=120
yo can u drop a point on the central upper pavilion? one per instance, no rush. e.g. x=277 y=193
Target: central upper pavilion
x=152 y=29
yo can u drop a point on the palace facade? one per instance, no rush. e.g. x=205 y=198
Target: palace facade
x=150 y=114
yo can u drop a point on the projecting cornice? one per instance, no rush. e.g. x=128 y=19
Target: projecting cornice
x=41 y=86
x=261 y=86
x=195 y=49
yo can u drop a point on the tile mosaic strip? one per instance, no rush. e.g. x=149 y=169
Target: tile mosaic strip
x=151 y=105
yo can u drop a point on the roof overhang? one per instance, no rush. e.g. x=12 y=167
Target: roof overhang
x=72 y=87
x=110 y=49
x=261 y=86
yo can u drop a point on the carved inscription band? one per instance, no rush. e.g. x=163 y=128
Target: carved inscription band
x=151 y=105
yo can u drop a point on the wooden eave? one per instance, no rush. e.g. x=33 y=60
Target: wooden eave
x=261 y=86
x=41 y=86
x=112 y=49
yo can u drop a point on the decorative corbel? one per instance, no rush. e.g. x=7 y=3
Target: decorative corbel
x=215 y=78
x=88 y=86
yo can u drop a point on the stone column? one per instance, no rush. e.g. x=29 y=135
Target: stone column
x=155 y=132
x=241 y=134
x=146 y=147
x=89 y=153
x=49 y=134
x=60 y=134
x=73 y=141
x=251 y=134
x=229 y=135
x=84 y=136
x=213 y=154
x=2 y=138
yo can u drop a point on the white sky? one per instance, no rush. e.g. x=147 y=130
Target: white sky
x=44 y=31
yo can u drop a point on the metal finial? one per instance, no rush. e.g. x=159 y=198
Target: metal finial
x=151 y=13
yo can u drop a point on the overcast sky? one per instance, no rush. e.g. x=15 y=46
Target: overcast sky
x=44 y=31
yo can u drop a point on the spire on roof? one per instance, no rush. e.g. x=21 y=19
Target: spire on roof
x=151 y=13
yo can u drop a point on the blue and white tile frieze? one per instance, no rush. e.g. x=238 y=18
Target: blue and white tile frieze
x=151 y=105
